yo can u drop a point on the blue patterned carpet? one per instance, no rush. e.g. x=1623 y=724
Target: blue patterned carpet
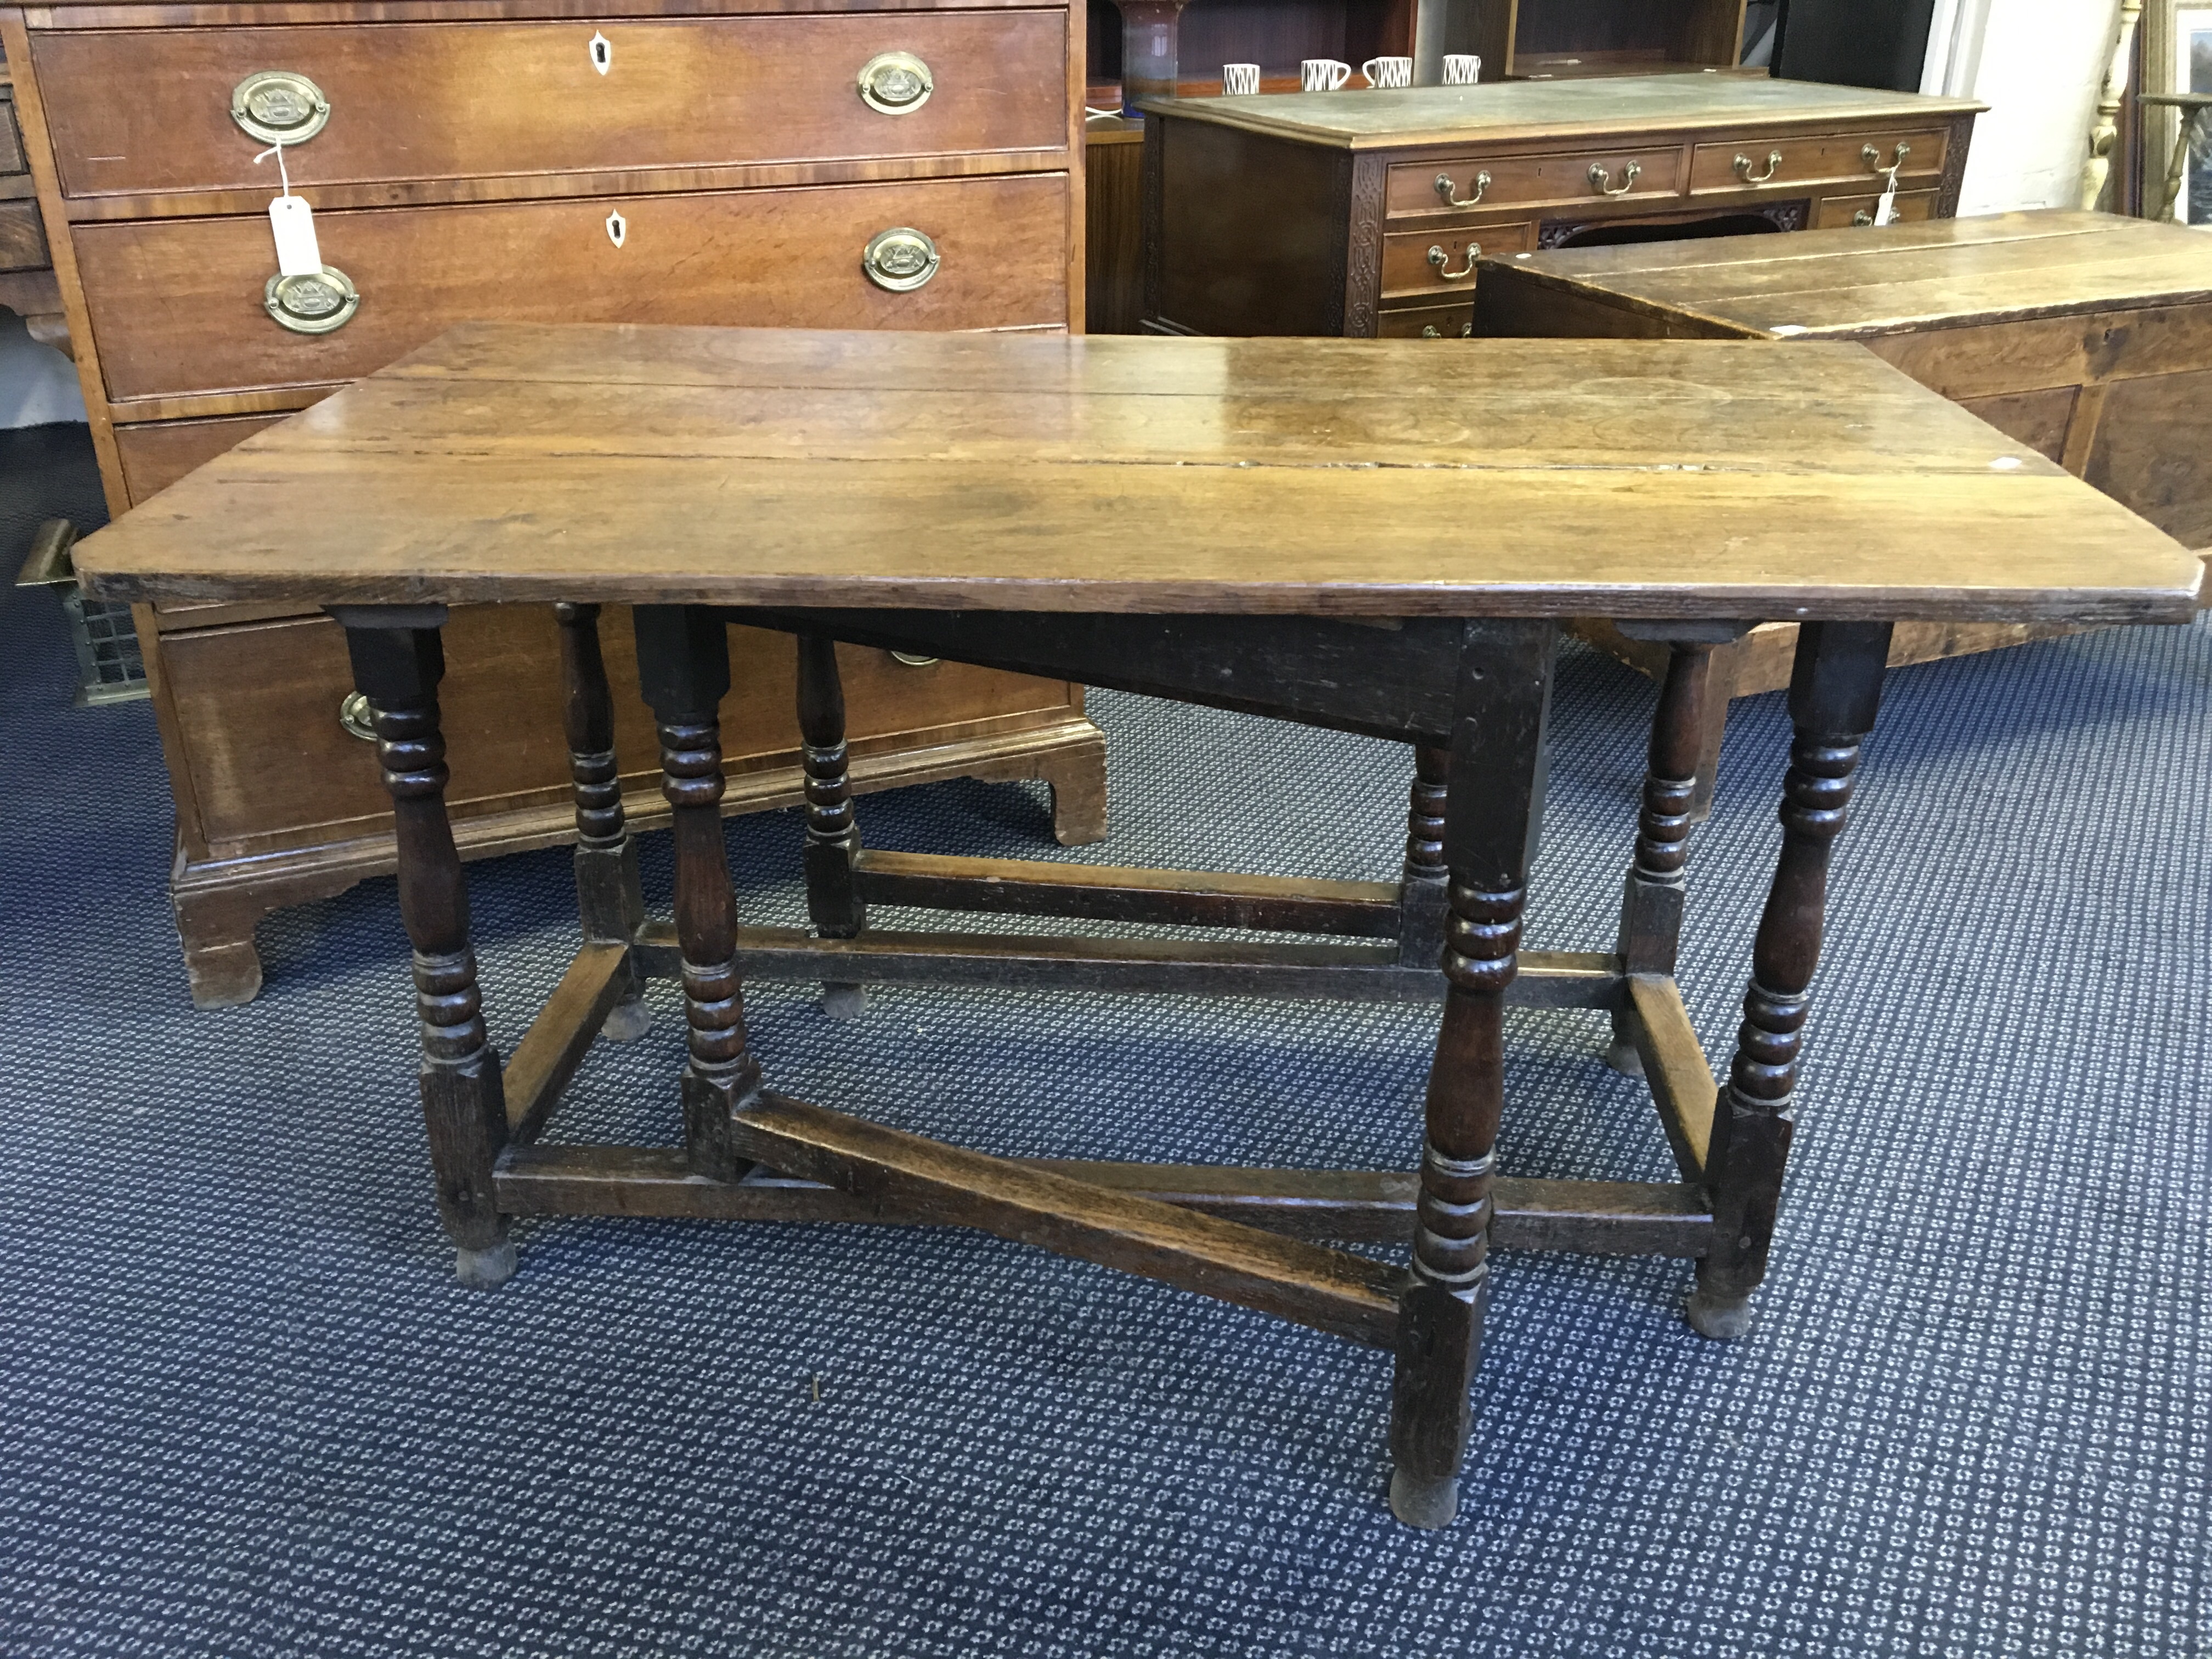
x=245 y=1410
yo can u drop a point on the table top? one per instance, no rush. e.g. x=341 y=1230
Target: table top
x=1044 y=472
x=1868 y=280
x=1503 y=111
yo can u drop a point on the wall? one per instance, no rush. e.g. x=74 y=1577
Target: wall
x=37 y=383
x=2038 y=65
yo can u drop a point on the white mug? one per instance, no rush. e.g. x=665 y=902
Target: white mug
x=1389 y=71
x=1323 y=74
x=1240 y=80
x=1461 y=68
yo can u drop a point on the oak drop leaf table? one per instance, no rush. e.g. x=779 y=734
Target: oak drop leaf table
x=1366 y=535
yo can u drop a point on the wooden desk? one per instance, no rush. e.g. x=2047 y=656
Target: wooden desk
x=2086 y=337
x=1364 y=213
x=1407 y=528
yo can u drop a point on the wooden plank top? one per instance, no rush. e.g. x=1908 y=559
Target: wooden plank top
x=1856 y=282
x=1511 y=111
x=1347 y=477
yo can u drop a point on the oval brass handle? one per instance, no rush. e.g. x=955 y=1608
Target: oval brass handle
x=1602 y=180
x=1440 y=259
x=912 y=660
x=896 y=83
x=1743 y=165
x=278 y=107
x=312 y=304
x=1446 y=189
x=900 y=259
x=357 y=717
x=1861 y=218
x=1872 y=157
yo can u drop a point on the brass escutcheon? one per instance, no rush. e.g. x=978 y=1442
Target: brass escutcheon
x=278 y=107
x=896 y=83
x=312 y=304
x=901 y=258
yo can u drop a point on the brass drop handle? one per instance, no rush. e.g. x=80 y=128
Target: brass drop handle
x=1439 y=258
x=912 y=660
x=1448 y=191
x=896 y=83
x=278 y=107
x=1430 y=332
x=900 y=260
x=314 y=303
x=1743 y=165
x=1861 y=218
x=1602 y=179
x=1872 y=157
x=357 y=717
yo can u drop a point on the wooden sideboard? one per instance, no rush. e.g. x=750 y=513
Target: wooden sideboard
x=893 y=165
x=1364 y=213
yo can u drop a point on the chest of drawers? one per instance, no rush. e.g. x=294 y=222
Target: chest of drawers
x=1364 y=213
x=829 y=163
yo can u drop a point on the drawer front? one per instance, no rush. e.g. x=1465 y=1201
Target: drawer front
x=1533 y=180
x=178 y=304
x=22 y=238
x=155 y=455
x=1835 y=158
x=1426 y=323
x=1841 y=212
x=257 y=709
x=1433 y=264
x=138 y=110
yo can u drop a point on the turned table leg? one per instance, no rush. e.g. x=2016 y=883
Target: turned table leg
x=833 y=837
x=683 y=665
x=398 y=661
x=1423 y=891
x=1652 y=895
x=609 y=899
x=1833 y=694
x=1496 y=800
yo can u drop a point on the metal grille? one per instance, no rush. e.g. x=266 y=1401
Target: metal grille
x=108 y=667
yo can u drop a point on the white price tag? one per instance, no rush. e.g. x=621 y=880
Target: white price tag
x=1885 y=210
x=294 y=222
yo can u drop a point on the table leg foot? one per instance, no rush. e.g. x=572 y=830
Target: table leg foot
x=1620 y=1054
x=845 y=1001
x=1722 y=1318
x=1420 y=1501
x=485 y=1269
x=627 y=1021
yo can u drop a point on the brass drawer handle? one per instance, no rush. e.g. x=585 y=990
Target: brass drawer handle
x=912 y=660
x=1743 y=165
x=357 y=717
x=1440 y=259
x=1872 y=157
x=1861 y=218
x=1445 y=189
x=896 y=83
x=1430 y=332
x=277 y=106
x=312 y=304
x=1602 y=180
x=901 y=258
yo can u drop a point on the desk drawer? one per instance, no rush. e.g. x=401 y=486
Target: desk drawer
x=1836 y=158
x=22 y=238
x=178 y=304
x=1426 y=323
x=1843 y=212
x=1533 y=180
x=145 y=110
x=1409 y=269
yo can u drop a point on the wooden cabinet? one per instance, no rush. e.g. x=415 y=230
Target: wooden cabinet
x=1329 y=213
x=857 y=165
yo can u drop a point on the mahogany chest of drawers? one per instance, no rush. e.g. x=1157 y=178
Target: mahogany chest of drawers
x=1364 y=213
x=806 y=163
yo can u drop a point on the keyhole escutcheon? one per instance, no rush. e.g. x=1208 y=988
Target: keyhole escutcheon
x=603 y=53
x=618 y=228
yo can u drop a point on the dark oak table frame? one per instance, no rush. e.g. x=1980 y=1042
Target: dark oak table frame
x=1470 y=696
